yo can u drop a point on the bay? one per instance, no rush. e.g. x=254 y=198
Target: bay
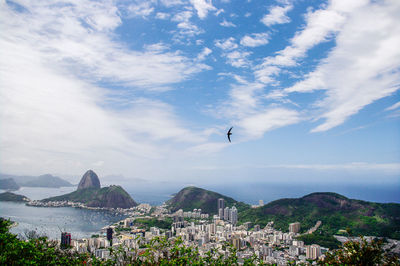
x=48 y=221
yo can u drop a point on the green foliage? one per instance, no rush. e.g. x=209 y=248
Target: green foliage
x=160 y=251
x=35 y=251
x=191 y=198
x=335 y=211
x=153 y=222
x=361 y=253
x=111 y=197
x=324 y=240
x=8 y=196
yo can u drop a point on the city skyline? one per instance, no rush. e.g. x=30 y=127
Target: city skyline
x=147 y=90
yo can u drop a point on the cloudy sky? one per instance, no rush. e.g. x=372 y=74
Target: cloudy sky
x=148 y=89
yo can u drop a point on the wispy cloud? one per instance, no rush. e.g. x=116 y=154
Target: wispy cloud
x=58 y=107
x=393 y=107
x=360 y=70
x=202 y=7
x=226 y=23
x=185 y=26
x=140 y=9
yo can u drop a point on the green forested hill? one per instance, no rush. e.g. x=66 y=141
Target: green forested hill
x=191 y=198
x=8 y=196
x=335 y=211
x=108 y=197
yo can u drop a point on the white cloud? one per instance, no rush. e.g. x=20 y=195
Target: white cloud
x=56 y=118
x=187 y=28
x=170 y=3
x=162 y=15
x=277 y=15
x=238 y=58
x=321 y=25
x=206 y=51
x=202 y=7
x=271 y=118
x=227 y=44
x=255 y=39
x=140 y=9
x=393 y=107
x=225 y=23
x=362 y=68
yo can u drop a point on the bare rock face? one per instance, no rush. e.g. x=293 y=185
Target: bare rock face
x=89 y=180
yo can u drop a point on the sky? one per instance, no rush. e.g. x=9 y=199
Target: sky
x=146 y=90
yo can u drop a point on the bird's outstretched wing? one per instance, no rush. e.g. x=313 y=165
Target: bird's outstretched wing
x=229 y=134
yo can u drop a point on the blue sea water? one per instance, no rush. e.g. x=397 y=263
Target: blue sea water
x=48 y=221
x=84 y=223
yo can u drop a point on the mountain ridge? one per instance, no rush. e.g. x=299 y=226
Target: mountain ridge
x=335 y=211
x=46 y=180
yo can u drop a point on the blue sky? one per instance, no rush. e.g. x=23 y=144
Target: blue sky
x=146 y=90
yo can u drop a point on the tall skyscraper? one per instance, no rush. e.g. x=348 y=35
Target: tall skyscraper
x=221 y=213
x=109 y=234
x=234 y=215
x=65 y=239
x=221 y=203
x=226 y=213
x=221 y=206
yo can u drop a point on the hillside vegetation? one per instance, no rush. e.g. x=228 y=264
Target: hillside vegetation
x=335 y=211
x=191 y=198
x=106 y=197
x=8 y=196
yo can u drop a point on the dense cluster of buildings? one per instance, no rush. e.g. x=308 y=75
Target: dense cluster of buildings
x=226 y=213
x=199 y=229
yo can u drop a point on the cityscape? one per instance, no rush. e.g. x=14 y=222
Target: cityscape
x=224 y=132
x=207 y=233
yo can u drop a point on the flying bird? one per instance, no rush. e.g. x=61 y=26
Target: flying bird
x=229 y=134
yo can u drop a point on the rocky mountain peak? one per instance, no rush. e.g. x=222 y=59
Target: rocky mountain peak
x=89 y=180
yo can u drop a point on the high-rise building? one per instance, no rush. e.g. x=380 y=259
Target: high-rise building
x=313 y=252
x=294 y=227
x=226 y=213
x=221 y=203
x=234 y=215
x=221 y=213
x=65 y=239
x=261 y=202
x=221 y=206
x=109 y=233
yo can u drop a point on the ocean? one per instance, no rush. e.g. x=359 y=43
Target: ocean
x=83 y=223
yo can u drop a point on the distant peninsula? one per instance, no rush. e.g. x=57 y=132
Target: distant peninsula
x=8 y=196
x=46 y=180
x=91 y=194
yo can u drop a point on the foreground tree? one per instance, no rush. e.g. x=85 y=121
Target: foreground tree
x=361 y=253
